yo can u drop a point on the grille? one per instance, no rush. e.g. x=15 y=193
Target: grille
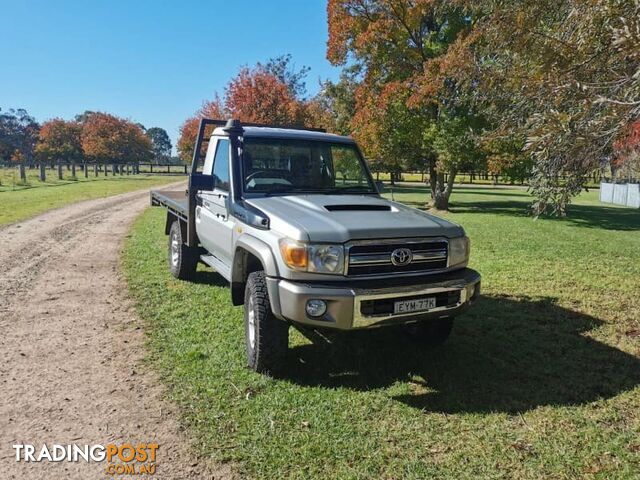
x=375 y=259
x=384 y=306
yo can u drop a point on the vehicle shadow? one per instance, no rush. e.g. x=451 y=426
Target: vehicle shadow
x=463 y=190
x=588 y=216
x=505 y=355
x=206 y=276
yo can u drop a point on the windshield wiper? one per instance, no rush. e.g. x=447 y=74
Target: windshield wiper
x=283 y=188
x=277 y=189
x=287 y=189
x=352 y=189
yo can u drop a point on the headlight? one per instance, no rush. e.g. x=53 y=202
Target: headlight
x=326 y=258
x=458 y=251
x=315 y=258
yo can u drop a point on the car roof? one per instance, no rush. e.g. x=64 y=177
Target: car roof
x=288 y=133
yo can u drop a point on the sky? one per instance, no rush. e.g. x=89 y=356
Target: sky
x=153 y=62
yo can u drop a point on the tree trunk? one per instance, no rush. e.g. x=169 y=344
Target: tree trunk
x=441 y=187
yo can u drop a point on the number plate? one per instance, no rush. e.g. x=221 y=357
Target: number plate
x=417 y=305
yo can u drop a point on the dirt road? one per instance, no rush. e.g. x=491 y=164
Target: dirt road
x=71 y=346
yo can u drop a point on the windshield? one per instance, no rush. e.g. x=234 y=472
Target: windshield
x=307 y=166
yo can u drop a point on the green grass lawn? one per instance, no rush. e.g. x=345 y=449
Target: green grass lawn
x=16 y=205
x=540 y=379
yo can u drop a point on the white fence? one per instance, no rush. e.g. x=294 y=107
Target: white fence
x=627 y=194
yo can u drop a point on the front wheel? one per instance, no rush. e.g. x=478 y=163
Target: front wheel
x=266 y=337
x=431 y=332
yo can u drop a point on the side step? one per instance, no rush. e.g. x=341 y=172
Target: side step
x=217 y=265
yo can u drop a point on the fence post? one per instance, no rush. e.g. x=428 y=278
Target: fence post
x=23 y=173
x=128 y=169
x=113 y=169
x=59 y=170
x=185 y=168
x=121 y=169
x=86 y=170
x=43 y=173
x=95 y=169
x=168 y=168
x=151 y=165
x=73 y=169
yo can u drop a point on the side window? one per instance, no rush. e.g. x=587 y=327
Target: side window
x=208 y=161
x=221 y=165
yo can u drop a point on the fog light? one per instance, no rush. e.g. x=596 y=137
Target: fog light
x=316 y=308
x=473 y=291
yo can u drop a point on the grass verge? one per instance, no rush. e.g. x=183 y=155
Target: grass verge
x=24 y=203
x=541 y=379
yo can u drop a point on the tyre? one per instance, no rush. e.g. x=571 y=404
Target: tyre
x=266 y=337
x=183 y=260
x=431 y=332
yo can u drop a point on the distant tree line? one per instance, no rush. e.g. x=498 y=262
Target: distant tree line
x=91 y=137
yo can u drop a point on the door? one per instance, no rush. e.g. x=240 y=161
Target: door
x=213 y=223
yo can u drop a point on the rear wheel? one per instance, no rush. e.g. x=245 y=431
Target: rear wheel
x=183 y=260
x=266 y=337
x=431 y=332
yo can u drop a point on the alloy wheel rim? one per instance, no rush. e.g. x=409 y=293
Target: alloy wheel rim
x=175 y=250
x=252 y=324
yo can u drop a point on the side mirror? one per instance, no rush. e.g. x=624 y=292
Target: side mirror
x=200 y=181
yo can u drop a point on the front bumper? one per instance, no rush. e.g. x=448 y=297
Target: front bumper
x=369 y=303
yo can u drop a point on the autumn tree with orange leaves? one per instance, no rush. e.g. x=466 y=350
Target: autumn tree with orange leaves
x=107 y=138
x=59 y=140
x=269 y=93
x=401 y=118
x=255 y=95
x=189 y=129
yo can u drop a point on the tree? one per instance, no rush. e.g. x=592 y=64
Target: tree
x=84 y=116
x=334 y=106
x=18 y=135
x=107 y=138
x=389 y=133
x=283 y=69
x=189 y=129
x=505 y=155
x=256 y=95
x=397 y=119
x=626 y=149
x=161 y=143
x=59 y=139
x=565 y=76
x=268 y=93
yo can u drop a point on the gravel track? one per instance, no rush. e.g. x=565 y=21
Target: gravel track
x=71 y=347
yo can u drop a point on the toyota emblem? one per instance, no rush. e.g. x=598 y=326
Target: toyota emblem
x=401 y=256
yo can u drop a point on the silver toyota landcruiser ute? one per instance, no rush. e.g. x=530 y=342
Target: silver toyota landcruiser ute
x=293 y=220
